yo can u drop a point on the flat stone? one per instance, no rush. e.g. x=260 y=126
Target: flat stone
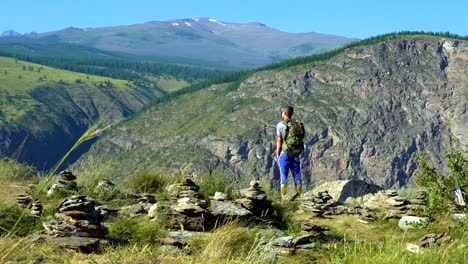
x=253 y=195
x=303 y=239
x=282 y=242
x=190 y=193
x=80 y=244
x=184 y=235
x=188 y=209
x=132 y=210
x=228 y=209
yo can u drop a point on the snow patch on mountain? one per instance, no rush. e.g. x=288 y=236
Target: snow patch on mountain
x=215 y=21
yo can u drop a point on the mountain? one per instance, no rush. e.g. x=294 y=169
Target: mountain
x=203 y=41
x=369 y=110
x=44 y=110
x=10 y=33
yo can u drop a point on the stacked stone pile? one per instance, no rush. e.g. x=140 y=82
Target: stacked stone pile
x=78 y=217
x=396 y=206
x=66 y=184
x=432 y=240
x=309 y=238
x=36 y=209
x=255 y=200
x=190 y=209
x=319 y=204
x=23 y=200
x=145 y=202
x=366 y=216
x=418 y=204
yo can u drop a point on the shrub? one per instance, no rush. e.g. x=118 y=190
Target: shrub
x=135 y=230
x=440 y=186
x=217 y=181
x=147 y=181
x=12 y=171
x=27 y=224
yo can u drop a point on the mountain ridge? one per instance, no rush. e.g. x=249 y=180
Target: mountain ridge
x=237 y=45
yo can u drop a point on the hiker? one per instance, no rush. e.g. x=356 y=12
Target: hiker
x=289 y=145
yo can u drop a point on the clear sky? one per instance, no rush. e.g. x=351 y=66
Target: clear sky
x=350 y=18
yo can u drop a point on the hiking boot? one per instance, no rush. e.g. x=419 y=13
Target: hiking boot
x=295 y=196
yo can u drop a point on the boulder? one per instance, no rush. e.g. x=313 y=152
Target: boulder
x=407 y=222
x=341 y=190
x=228 y=209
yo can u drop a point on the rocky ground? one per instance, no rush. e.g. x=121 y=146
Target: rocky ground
x=186 y=226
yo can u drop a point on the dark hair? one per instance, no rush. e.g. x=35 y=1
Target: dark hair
x=288 y=110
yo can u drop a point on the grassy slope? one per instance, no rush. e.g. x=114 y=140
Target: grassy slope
x=16 y=85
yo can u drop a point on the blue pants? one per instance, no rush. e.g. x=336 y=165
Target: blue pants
x=286 y=163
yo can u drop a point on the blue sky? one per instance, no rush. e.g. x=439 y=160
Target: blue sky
x=358 y=18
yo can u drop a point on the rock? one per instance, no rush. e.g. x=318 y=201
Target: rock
x=188 y=209
x=253 y=194
x=80 y=244
x=309 y=227
x=131 y=210
x=175 y=220
x=228 y=209
x=219 y=196
x=67 y=175
x=187 y=182
x=282 y=242
x=413 y=248
x=341 y=190
x=432 y=240
x=169 y=241
x=254 y=184
x=303 y=239
x=154 y=210
x=184 y=235
x=407 y=222
x=459 y=216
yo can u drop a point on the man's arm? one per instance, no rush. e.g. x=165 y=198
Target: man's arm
x=279 y=143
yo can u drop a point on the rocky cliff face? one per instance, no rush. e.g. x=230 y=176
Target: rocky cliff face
x=368 y=111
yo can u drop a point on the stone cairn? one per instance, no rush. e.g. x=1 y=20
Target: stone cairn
x=308 y=239
x=318 y=204
x=145 y=202
x=255 y=200
x=396 y=206
x=65 y=185
x=190 y=209
x=366 y=216
x=23 y=200
x=417 y=205
x=78 y=217
x=36 y=209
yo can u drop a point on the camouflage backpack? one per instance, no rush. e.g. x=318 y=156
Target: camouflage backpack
x=293 y=138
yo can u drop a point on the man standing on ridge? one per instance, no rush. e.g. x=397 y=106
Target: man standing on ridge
x=289 y=145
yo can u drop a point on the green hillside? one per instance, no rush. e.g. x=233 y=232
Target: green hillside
x=46 y=108
x=18 y=79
